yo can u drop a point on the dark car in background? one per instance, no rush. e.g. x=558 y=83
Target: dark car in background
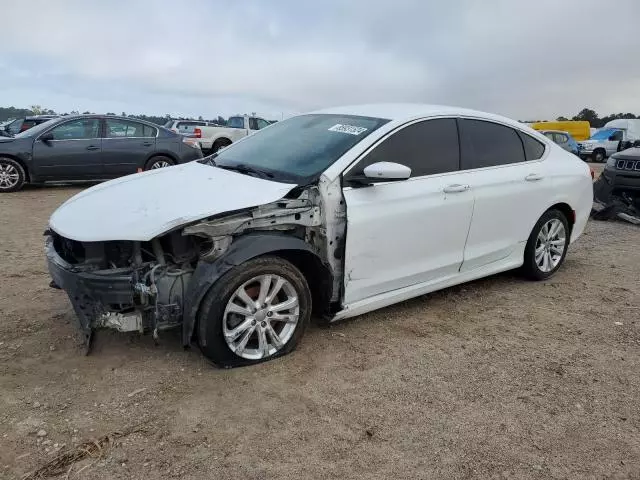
x=22 y=124
x=89 y=147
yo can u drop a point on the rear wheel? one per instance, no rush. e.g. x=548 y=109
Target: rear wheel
x=159 y=162
x=12 y=175
x=255 y=312
x=599 y=156
x=547 y=246
x=219 y=145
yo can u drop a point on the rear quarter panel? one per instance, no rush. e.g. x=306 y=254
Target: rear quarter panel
x=572 y=184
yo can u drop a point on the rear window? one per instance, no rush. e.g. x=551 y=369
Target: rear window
x=488 y=144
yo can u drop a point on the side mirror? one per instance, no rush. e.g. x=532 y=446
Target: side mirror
x=47 y=137
x=386 y=172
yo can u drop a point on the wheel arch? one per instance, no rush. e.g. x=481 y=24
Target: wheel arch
x=567 y=211
x=21 y=162
x=248 y=247
x=153 y=155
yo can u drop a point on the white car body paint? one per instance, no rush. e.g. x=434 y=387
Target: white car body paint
x=144 y=205
x=403 y=238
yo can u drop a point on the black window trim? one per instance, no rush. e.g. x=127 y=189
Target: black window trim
x=364 y=154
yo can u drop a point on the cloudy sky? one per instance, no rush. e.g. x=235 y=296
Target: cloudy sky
x=524 y=59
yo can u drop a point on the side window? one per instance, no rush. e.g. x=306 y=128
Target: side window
x=487 y=144
x=533 y=149
x=560 y=138
x=617 y=136
x=261 y=123
x=123 y=128
x=549 y=135
x=81 y=129
x=427 y=148
x=148 y=131
x=235 y=122
x=253 y=124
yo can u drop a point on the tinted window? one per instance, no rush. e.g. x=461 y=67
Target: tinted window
x=77 y=129
x=124 y=128
x=486 y=144
x=427 y=148
x=253 y=124
x=235 y=122
x=533 y=149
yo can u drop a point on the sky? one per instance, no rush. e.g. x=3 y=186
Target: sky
x=523 y=59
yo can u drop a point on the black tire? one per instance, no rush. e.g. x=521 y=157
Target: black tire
x=219 y=144
x=530 y=268
x=210 y=317
x=158 y=162
x=599 y=156
x=8 y=169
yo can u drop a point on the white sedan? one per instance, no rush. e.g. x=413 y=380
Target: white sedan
x=339 y=212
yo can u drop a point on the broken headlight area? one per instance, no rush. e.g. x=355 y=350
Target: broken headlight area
x=125 y=285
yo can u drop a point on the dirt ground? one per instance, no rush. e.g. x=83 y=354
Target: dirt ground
x=501 y=378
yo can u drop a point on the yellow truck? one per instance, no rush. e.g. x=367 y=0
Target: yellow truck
x=579 y=130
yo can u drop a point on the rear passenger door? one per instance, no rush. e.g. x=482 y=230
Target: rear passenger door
x=509 y=186
x=126 y=146
x=403 y=233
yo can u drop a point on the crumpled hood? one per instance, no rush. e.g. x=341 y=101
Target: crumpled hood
x=144 y=205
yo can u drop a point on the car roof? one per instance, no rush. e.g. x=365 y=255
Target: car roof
x=401 y=112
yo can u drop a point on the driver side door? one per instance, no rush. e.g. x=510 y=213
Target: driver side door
x=72 y=154
x=409 y=232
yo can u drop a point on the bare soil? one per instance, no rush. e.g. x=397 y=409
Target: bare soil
x=500 y=378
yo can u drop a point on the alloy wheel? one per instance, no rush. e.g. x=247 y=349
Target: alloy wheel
x=550 y=245
x=160 y=164
x=261 y=317
x=9 y=176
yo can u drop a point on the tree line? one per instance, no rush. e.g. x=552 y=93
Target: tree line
x=8 y=113
x=590 y=115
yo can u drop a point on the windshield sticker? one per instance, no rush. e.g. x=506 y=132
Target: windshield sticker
x=350 y=129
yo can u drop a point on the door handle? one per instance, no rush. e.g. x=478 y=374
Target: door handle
x=93 y=147
x=147 y=144
x=456 y=188
x=533 y=177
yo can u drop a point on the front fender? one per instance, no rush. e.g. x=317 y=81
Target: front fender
x=242 y=249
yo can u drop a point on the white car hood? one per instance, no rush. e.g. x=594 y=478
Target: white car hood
x=144 y=205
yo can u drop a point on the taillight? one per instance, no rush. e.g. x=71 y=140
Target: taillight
x=197 y=133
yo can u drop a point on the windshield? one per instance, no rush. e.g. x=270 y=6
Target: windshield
x=34 y=130
x=298 y=149
x=603 y=134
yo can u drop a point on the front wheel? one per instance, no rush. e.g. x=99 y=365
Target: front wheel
x=255 y=312
x=547 y=246
x=12 y=175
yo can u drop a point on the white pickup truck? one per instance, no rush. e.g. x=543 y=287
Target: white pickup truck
x=213 y=138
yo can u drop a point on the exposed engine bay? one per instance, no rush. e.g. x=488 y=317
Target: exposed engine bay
x=143 y=286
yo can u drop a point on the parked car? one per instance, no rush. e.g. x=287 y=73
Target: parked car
x=620 y=179
x=341 y=211
x=213 y=139
x=89 y=147
x=187 y=127
x=22 y=124
x=578 y=129
x=615 y=136
x=564 y=139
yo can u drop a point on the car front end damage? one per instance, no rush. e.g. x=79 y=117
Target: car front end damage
x=151 y=286
x=617 y=190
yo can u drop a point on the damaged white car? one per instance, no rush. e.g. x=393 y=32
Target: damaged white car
x=338 y=212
